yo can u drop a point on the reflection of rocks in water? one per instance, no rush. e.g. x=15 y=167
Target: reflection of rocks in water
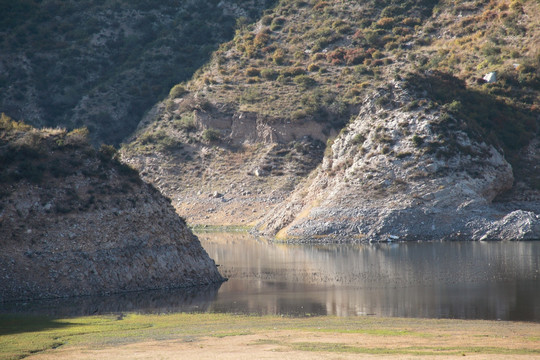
x=440 y=280
x=191 y=299
x=242 y=256
x=469 y=280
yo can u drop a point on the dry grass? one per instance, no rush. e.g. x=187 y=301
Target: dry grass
x=207 y=336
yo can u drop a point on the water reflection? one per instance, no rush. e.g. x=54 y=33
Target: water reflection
x=468 y=280
x=193 y=299
x=451 y=280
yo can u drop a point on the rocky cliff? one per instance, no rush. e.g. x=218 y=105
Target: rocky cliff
x=74 y=221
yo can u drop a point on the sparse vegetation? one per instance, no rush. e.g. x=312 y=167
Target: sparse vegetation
x=24 y=335
x=177 y=91
x=46 y=157
x=185 y=122
x=317 y=63
x=113 y=65
x=507 y=124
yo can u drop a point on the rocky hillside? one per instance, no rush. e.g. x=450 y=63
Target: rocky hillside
x=408 y=174
x=103 y=64
x=74 y=221
x=382 y=102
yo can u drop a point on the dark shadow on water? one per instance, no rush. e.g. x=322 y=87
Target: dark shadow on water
x=192 y=299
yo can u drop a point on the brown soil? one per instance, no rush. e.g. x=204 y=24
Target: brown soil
x=445 y=340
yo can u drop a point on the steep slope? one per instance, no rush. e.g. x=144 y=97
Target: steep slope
x=255 y=120
x=324 y=72
x=103 y=64
x=74 y=221
x=408 y=174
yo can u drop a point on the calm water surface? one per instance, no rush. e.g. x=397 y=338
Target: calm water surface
x=466 y=280
x=470 y=280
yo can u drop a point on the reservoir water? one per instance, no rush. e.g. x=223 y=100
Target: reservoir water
x=465 y=280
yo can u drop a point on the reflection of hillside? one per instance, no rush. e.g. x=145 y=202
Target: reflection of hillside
x=450 y=280
x=153 y=301
x=241 y=255
x=464 y=280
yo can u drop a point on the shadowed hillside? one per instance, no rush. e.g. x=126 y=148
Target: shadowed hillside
x=103 y=64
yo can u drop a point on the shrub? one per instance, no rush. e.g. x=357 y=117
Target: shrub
x=318 y=56
x=186 y=122
x=261 y=39
x=336 y=56
x=278 y=57
x=391 y=10
x=304 y=81
x=358 y=35
x=253 y=71
x=417 y=141
x=211 y=135
x=402 y=155
x=250 y=95
x=293 y=71
x=160 y=139
x=77 y=137
x=358 y=139
x=411 y=21
x=8 y=124
x=321 y=5
x=266 y=20
x=313 y=67
x=355 y=56
x=341 y=26
x=107 y=152
x=277 y=23
x=385 y=22
x=299 y=114
x=455 y=106
x=269 y=74
x=268 y=49
x=374 y=37
x=177 y=91
x=400 y=30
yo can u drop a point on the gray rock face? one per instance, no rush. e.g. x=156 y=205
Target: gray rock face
x=519 y=224
x=95 y=229
x=397 y=173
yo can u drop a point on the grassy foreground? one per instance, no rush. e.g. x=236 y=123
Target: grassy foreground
x=240 y=336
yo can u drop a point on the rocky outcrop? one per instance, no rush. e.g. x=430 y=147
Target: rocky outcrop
x=74 y=221
x=407 y=173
